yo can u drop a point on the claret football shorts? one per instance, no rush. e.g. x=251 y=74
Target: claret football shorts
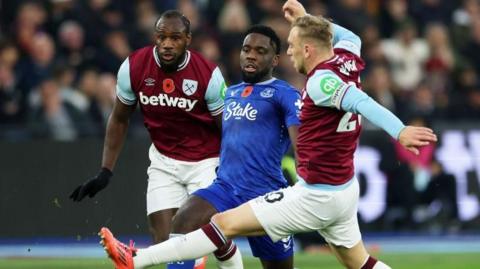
x=171 y=181
x=330 y=210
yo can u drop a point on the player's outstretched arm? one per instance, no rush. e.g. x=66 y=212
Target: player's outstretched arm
x=115 y=136
x=410 y=137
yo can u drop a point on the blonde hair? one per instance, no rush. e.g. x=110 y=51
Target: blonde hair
x=315 y=28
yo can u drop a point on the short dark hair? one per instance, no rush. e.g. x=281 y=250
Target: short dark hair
x=268 y=32
x=175 y=14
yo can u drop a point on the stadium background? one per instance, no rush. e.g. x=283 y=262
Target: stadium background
x=58 y=63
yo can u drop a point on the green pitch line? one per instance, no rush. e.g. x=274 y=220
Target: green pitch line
x=302 y=261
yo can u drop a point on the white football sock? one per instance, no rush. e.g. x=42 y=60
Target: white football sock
x=235 y=262
x=381 y=265
x=190 y=246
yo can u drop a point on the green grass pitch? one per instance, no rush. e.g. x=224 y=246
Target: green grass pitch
x=302 y=261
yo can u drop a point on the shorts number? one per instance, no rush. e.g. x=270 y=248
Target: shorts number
x=345 y=125
x=274 y=197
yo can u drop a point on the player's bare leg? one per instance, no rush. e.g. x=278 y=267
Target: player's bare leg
x=235 y=222
x=197 y=212
x=160 y=223
x=239 y=221
x=357 y=257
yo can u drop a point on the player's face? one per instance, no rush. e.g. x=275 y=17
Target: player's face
x=257 y=58
x=172 y=41
x=295 y=51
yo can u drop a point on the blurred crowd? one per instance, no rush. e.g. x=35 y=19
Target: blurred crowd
x=59 y=58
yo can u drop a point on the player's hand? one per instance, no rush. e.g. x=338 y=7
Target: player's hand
x=293 y=9
x=92 y=186
x=412 y=137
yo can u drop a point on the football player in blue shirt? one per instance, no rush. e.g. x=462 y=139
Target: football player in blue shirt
x=260 y=119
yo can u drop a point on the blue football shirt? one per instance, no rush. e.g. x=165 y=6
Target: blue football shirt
x=255 y=136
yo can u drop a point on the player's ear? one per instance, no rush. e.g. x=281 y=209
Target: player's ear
x=189 y=39
x=307 y=50
x=275 y=60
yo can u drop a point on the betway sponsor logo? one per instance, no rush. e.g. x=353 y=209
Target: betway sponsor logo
x=236 y=111
x=166 y=100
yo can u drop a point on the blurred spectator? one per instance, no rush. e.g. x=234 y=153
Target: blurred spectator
x=37 y=66
x=101 y=104
x=234 y=17
x=115 y=50
x=432 y=11
x=406 y=55
x=208 y=47
x=472 y=110
x=190 y=10
x=439 y=200
x=463 y=18
x=379 y=86
x=394 y=13
x=56 y=119
x=421 y=103
x=145 y=16
x=31 y=16
x=441 y=60
x=357 y=18
x=418 y=164
x=9 y=96
x=73 y=52
x=91 y=17
x=65 y=77
x=472 y=47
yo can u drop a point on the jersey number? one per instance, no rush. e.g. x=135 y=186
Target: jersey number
x=345 y=125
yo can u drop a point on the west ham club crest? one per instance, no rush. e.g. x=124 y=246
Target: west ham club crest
x=189 y=86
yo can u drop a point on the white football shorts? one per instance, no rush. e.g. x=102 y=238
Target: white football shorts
x=330 y=210
x=171 y=181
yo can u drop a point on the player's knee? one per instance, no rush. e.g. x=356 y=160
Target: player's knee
x=181 y=224
x=226 y=225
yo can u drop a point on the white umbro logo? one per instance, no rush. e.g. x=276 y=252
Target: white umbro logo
x=149 y=82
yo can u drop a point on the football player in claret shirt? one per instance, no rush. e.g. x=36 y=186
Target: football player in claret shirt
x=325 y=198
x=180 y=94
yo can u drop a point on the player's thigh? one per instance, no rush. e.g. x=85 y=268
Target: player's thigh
x=164 y=190
x=160 y=223
x=238 y=221
x=193 y=214
x=199 y=175
x=282 y=213
x=343 y=229
x=353 y=257
x=273 y=255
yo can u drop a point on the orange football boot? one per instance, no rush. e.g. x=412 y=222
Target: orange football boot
x=118 y=252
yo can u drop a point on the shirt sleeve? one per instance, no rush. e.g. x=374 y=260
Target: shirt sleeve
x=291 y=104
x=358 y=102
x=124 y=89
x=215 y=94
x=346 y=39
x=326 y=88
